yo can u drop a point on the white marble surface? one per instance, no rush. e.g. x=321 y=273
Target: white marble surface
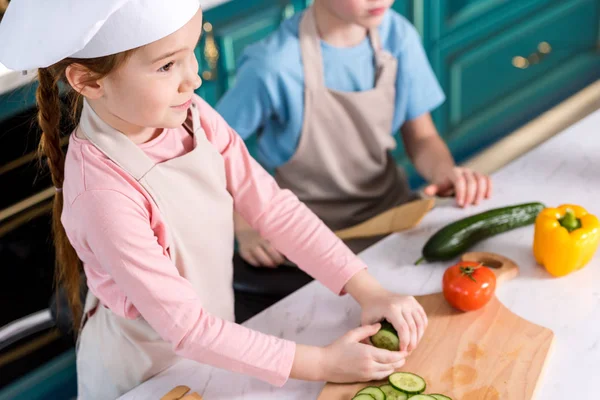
x=564 y=169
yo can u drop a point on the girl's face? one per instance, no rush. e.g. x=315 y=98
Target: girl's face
x=155 y=85
x=366 y=13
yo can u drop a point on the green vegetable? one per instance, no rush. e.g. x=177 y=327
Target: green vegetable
x=374 y=392
x=407 y=382
x=422 y=397
x=391 y=393
x=386 y=337
x=363 y=397
x=455 y=238
x=440 y=397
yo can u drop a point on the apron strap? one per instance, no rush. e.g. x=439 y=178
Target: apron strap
x=375 y=40
x=312 y=57
x=114 y=144
x=310 y=47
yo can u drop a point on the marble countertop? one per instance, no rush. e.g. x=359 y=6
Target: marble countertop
x=565 y=169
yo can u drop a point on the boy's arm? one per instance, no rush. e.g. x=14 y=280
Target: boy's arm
x=425 y=148
x=433 y=160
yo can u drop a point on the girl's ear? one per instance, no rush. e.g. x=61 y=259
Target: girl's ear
x=82 y=80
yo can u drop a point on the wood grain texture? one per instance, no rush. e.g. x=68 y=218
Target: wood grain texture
x=176 y=393
x=396 y=219
x=488 y=354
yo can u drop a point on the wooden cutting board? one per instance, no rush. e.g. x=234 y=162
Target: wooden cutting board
x=488 y=354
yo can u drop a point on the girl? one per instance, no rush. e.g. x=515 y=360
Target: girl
x=328 y=90
x=145 y=198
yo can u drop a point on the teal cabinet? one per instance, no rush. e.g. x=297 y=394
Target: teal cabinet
x=499 y=76
x=226 y=35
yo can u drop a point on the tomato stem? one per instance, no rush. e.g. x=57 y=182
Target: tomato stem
x=468 y=271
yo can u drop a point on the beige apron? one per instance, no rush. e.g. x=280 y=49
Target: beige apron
x=115 y=354
x=343 y=170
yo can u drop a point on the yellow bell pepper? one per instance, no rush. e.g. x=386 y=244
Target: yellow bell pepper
x=565 y=238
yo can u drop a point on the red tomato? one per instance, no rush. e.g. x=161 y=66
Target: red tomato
x=468 y=285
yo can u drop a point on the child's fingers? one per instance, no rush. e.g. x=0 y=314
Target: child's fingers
x=402 y=329
x=249 y=258
x=471 y=187
x=381 y=375
x=420 y=325
x=431 y=190
x=386 y=356
x=262 y=257
x=275 y=255
x=488 y=193
x=460 y=189
x=412 y=325
x=359 y=334
x=482 y=182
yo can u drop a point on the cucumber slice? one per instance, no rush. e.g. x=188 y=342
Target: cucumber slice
x=374 y=392
x=422 y=397
x=363 y=396
x=440 y=397
x=391 y=393
x=407 y=382
x=386 y=337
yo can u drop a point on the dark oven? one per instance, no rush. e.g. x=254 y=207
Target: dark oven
x=28 y=336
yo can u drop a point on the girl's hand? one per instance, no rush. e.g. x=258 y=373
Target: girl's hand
x=403 y=312
x=469 y=187
x=256 y=250
x=349 y=360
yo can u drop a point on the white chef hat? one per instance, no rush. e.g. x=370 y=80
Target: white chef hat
x=37 y=34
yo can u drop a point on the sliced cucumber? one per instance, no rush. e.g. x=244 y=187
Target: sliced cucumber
x=407 y=382
x=374 y=392
x=363 y=396
x=422 y=397
x=386 y=337
x=440 y=397
x=391 y=393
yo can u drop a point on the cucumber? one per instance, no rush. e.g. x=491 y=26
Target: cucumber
x=374 y=392
x=363 y=397
x=440 y=397
x=455 y=238
x=422 y=397
x=407 y=382
x=386 y=337
x=391 y=393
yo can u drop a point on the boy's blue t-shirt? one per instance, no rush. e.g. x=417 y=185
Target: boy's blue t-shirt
x=269 y=90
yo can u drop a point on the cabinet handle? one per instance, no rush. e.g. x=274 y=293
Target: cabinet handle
x=288 y=11
x=211 y=53
x=543 y=49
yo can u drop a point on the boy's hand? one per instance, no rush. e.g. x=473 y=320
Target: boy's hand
x=257 y=251
x=468 y=186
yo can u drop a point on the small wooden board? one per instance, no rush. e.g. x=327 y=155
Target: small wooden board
x=396 y=219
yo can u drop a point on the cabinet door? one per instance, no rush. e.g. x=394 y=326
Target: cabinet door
x=225 y=39
x=495 y=85
x=451 y=15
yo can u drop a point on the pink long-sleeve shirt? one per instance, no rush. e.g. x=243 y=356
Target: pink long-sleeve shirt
x=119 y=234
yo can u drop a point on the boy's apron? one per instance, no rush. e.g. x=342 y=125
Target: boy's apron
x=343 y=170
x=115 y=354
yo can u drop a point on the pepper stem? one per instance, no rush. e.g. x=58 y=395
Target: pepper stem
x=569 y=221
x=420 y=260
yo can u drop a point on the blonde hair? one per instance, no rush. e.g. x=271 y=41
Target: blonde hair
x=68 y=264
